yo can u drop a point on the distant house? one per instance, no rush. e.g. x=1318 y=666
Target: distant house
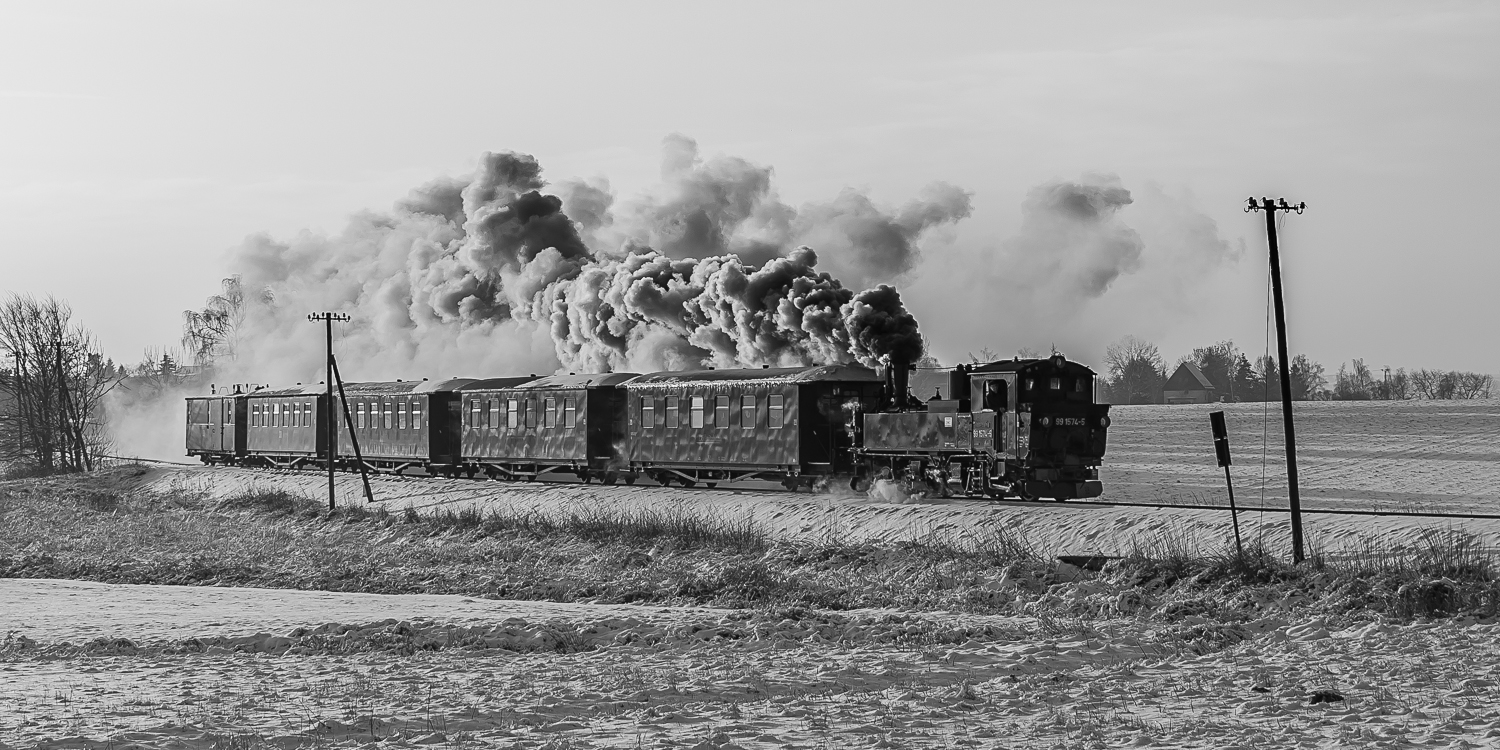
x=1189 y=386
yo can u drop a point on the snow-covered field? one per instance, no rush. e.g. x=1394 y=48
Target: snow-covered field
x=157 y=666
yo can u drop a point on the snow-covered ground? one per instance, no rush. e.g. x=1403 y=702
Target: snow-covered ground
x=157 y=666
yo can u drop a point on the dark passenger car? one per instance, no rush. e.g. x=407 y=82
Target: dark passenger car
x=403 y=425
x=216 y=428
x=285 y=427
x=795 y=425
x=521 y=428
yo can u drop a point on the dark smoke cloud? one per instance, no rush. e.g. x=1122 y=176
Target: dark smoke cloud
x=496 y=274
x=727 y=205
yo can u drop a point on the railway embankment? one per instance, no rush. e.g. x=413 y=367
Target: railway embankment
x=1049 y=528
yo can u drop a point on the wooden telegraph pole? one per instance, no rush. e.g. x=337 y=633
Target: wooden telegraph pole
x=332 y=424
x=1271 y=207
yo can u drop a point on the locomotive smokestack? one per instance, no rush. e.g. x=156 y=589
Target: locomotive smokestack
x=900 y=379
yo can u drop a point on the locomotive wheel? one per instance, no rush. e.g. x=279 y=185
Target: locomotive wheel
x=860 y=484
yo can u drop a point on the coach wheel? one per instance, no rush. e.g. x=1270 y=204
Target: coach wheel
x=608 y=478
x=710 y=485
x=585 y=477
x=630 y=478
x=685 y=482
x=791 y=484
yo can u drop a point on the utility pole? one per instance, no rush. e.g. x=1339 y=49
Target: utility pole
x=1271 y=207
x=332 y=424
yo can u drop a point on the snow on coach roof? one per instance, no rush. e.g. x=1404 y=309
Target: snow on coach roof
x=396 y=387
x=841 y=373
x=592 y=380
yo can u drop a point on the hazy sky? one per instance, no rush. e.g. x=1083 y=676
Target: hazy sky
x=140 y=142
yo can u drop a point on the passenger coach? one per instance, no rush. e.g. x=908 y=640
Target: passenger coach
x=522 y=428
x=403 y=424
x=216 y=428
x=793 y=425
x=286 y=427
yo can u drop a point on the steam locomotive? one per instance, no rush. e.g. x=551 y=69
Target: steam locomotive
x=1026 y=428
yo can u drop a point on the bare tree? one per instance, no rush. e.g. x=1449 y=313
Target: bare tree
x=1136 y=371
x=1436 y=384
x=212 y=334
x=55 y=380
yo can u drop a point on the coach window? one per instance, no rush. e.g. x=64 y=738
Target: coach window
x=359 y=415
x=673 y=420
x=528 y=407
x=306 y=414
x=695 y=412
x=475 y=411
x=401 y=415
x=648 y=412
x=494 y=405
x=747 y=412
x=774 y=403
x=549 y=413
x=416 y=415
x=721 y=411
x=388 y=406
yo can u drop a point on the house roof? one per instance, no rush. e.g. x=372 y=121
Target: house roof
x=1188 y=377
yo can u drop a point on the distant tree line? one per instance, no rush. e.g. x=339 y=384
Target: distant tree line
x=1136 y=373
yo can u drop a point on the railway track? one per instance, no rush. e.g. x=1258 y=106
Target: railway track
x=730 y=489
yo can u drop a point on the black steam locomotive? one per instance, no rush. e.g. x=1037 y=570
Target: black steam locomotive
x=1024 y=428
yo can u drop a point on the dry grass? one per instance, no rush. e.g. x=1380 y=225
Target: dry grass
x=97 y=528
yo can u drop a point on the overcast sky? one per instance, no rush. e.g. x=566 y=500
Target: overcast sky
x=140 y=142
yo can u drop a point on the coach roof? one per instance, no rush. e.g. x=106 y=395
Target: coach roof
x=311 y=389
x=400 y=387
x=573 y=382
x=833 y=373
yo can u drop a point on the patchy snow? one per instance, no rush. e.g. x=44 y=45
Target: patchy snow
x=187 y=667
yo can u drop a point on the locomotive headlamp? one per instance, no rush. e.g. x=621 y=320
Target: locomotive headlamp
x=1058 y=360
x=1046 y=421
x=1104 y=421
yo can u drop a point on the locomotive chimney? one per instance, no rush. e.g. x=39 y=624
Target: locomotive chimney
x=900 y=381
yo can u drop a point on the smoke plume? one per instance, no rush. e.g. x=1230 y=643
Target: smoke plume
x=495 y=273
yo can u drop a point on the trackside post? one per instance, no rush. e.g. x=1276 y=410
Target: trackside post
x=1221 y=447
